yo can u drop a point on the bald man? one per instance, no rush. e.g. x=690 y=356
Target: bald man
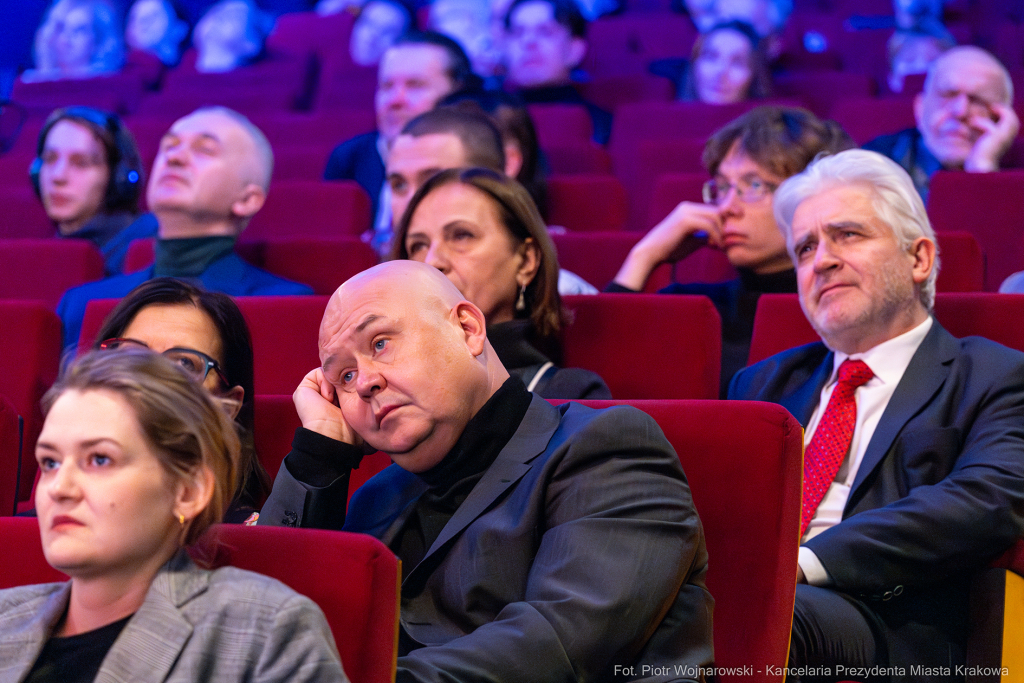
x=965 y=121
x=522 y=527
x=209 y=178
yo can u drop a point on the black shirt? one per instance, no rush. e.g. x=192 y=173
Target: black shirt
x=75 y=659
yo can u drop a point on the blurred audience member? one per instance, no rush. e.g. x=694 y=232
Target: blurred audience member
x=502 y=260
x=917 y=14
x=545 y=41
x=77 y=39
x=702 y=13
x=205 y=333
x=468 y=22
x=414 y=74
x=728 y=66
x=88 y=175
x=748 y=159
x=327 y=7
x=156 y=27
x=231 y=34
x=136 y=462
x=768 y=17
x=912 y=52
x=210 y=177
x=378 y=25
x=965 y=120
x=522 y=151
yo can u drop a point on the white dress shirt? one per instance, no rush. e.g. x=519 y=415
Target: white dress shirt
x=888 y=361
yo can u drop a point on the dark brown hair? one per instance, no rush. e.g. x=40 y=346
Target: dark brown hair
x=760 y=75
x=782 y=140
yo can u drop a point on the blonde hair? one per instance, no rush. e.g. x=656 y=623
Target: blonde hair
x=187 y=428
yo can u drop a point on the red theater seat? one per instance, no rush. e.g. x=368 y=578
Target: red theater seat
x=647 y=346
x=362 y=610
x=991 y=207
x=822 y=89
x=118 y=92
x=23 y=214
x=578 y=157
x=43 y=269
x=610 y=92
x=10 y=454
x=558 y=124
x=586 y=203
x=323 y=264
x=865 y=118
x=746 y=485
x=780 y=324
x=276 y=422
x=597 y=256
x=310 y=208
x=963 y=264
x=626 y=44
x=30 y=347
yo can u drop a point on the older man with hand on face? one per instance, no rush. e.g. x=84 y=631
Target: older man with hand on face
x=914 y=465
x=964 y=116
x=209 y=178
x=522 y=527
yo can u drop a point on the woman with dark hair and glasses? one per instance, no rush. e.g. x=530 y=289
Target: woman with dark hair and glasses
x=482 y=230
x=204 y=333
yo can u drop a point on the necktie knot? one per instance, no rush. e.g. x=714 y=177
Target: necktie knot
x=854 y=373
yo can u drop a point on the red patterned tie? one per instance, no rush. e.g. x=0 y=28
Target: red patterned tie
x=831 y=439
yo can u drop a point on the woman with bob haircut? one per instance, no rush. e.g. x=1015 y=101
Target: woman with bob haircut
x=484 y=233
x=205 y=333
x=137 y=462
x=728 y=65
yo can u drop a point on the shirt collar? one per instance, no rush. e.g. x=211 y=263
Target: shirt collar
x=888 y=360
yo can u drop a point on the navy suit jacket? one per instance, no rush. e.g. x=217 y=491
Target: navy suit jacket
x=358 y=159
x=940 y=490
x=230 y=275
x=579 y=549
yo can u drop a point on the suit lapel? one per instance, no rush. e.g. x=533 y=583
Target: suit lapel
x=23 y=641
x=153 y=639
x=802 y=402
x=512 y=463
x=926 y=373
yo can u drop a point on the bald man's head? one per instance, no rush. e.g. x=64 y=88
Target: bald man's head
x=211 y=173
x=410 y=360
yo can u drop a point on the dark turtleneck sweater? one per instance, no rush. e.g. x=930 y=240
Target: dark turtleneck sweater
x=189 y=256
x=736 y=302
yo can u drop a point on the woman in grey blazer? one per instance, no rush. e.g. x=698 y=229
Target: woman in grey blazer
x=137 y=460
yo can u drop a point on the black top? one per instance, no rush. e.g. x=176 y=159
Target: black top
x=736 y=302
x=512 y=342
x=191 y=256
x=75 y=659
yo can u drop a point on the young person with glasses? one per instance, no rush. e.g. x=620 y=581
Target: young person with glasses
x=748 y=159
x=205 y=334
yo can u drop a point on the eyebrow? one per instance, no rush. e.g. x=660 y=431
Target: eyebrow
x=84 y=444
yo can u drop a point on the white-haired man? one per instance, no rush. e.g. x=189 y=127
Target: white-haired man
x=914 y=469
x=964 y=116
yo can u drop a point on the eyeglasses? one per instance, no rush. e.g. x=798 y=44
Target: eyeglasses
x=195 y=363
x=716 y=193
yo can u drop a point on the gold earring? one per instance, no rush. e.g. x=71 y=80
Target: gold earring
x=181 y=519
x=521 y=302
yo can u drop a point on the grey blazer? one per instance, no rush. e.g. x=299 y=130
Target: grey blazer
x=194 y=625
x=578 y=556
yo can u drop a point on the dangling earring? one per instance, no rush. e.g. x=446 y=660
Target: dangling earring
x=181 y=519
x=521 y=302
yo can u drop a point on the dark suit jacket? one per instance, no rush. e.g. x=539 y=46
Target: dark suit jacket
x=940 y=490
x=230 y=275
x=563 y=561
x=358 y=159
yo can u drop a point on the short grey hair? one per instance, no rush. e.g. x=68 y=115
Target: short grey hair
x=893 y=197
x=264 y=152
x=977 y=52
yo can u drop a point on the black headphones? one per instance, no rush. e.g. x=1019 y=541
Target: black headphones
x=125 y=185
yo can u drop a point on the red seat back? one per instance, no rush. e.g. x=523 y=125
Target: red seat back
x=865 y=118
x=585 y=203
x=322 y=263
x=779 y=323
x=362 y=609
x=746 y=487
x=597 y=257
x=988 y=205
x=561 y=123
x=30 y=349
x=23 y=214
x=612 y=335
x=310 y=208
x=578 y=157
x=10 y=454
x=963 y=264
x=43 y=269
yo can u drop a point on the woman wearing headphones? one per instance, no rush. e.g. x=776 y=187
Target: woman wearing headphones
x=88 y=175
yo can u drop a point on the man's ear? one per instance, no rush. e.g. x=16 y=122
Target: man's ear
x=474 y=326
x=923 y=253
x=577 y=51
x=249 y=201
x=194 y=493
x=531 y=262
